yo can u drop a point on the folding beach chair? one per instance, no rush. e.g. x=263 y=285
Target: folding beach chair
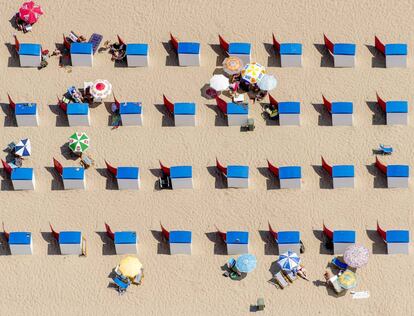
x=95 y=40
x=122 y=285
x=280 y=279
x=290 y=276
x=385 y=149
x=109 y=232
x=339 y=264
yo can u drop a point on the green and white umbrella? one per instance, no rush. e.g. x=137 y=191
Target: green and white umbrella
x=79 y=142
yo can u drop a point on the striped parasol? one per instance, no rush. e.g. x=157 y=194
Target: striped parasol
x=30 y=12
x=356 y=256
x=232 y=65
x=289 y=261
x=101 y=89
x=253 y=72
x=79 y=142
x=23 y=148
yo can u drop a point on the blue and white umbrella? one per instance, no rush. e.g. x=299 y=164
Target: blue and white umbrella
x=246 y=263
x=23 y=148
x=288 y=261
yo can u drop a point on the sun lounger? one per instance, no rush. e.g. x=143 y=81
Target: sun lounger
x=95 y=40
x=122 y=285
x=290 y=276
x=339 y=264
x=386 y=149
x=335 y=284
x=280 y=279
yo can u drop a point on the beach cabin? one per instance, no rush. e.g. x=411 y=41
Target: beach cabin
x=73 y=178
x=184 y=114
x=342 y=239
x=397 y=176
x=396 y=111
x=395 y=54
x=398 y=241
x=188 y=54
x=23 y=179
x=288 y=241
x=126 y=242
x=342 y=113
x=78 y=114
x=290 y=53
x=237 y=176
x=30 y=55
x=290 y=177
x=237 y=114
x=137 y=55
x=289 y=113
x=180 y=242
x=20 y=243
x=237 y=242
x=181 y=177
x=241 y=50
x=81 y=54
x=26 y=114
x=343 y=176
x=70 y=242
x=128 y=178
x=131 y=113
x=343 y=53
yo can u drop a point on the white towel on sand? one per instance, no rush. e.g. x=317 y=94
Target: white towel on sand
x=360 y=295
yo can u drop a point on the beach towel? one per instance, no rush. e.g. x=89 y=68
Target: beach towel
x=95 y=40
x=360 y=295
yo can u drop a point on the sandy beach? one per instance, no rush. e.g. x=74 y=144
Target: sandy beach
x=47 y=282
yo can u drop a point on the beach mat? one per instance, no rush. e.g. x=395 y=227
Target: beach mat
x=360 y=295
x=95 y=40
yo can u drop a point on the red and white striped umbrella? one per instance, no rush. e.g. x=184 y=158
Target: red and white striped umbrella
x=30 y=12
x=101 y=89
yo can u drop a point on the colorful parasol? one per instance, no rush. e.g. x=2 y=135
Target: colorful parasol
x=347 y=280
x=79 y=142
x=253 y=72
x=101 y=89
x=130 y=267
x=246 y=263
x=232 y=65
x=30 y=12
x=267 y=83
x=23 y=148
x=219 y=82
x=356 y=256
x=289 y=261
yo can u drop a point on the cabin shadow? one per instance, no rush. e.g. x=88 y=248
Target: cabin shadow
x=108 y=107
x=221 y=55
x=4 y=246
x=64 y=58
x=108 y=247
x=162 y=247
x=378 y=116
x=52 y=244
x=57 y=183
x=6 y=183
x=270 y=246
x=220 y=248
x=167 y=118
x=13 y=60
x=273 y=60
x=156 y=172
x=325 y=181
x=324 y=119
x=9 y=119
x=172 y=57
x=61 y=118
x=326 y=58
x=220 y=181
x=111 y=183
x=380 y=180
x=379 y=247
x=272 y=182
x=378 y=59
x=220 y=119
x=323 y=250
x=121 y=63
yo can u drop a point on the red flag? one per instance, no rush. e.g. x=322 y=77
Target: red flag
x=11 y=103
x=275 y=43
x=16 y=44
x=116 y=102
x=111 y=170
x=55 y=234
x=222 y=169
x=120 y=40
x=273 y=169
x=222 y=105
x=273 y=101
x=222 y=235
x=327 y=104
x=165 y=233
x=272 y=232
x=66 y=43
x=6 y=234
x=62 y=105
x=6 y=167
x=381 y=232
x=174 y=42
x=58 y=166
x=165 y=169
x=379 y=45
x=169 y=105
x=328 y=233
x=381 y=103
x=380 y=166
x=223 y=43
x=327 y=167
x=109 y=231
x=329 y=45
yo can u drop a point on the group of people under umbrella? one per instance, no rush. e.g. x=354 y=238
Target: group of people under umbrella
x=79 y=143
x=250 y=78
x=128 y=271
x=18 y=152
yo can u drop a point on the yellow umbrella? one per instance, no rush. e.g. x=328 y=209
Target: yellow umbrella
x=130 y=267
x=253 y=72
x=347 y=280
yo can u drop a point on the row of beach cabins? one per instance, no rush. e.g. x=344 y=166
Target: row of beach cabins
x=181 y=177
x=184 y=113
x=180 y=241
x=189 y=53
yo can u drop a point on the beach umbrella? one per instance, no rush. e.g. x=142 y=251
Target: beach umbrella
x=288 y=261
x=356 y=256
x=79 y=142
x=267 y=83
x=232 y=65
x=219 y=82
x=23 y=148
x=246 y=263
x=253 y=72
x=347 y=280
x=101 y=89
x=30 y=12
x=130 y=267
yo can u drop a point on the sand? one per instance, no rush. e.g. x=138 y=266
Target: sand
x=193 y=285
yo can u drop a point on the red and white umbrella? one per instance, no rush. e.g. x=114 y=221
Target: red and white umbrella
x=30 y=12
x=101 y=89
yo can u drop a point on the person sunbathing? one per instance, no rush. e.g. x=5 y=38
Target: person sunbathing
x=118 y=51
